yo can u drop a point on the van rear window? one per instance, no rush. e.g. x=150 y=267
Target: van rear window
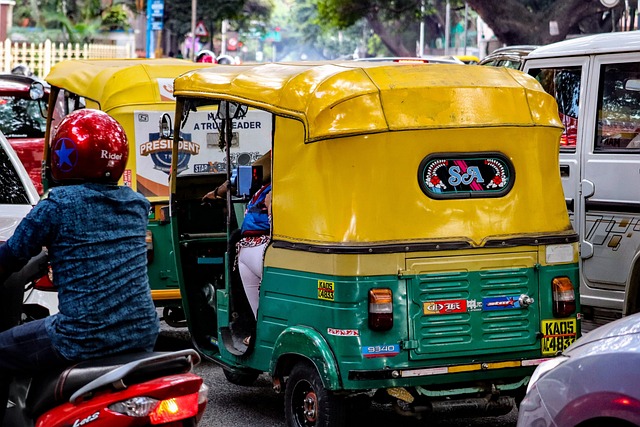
x=563 y=83
x=445 y=176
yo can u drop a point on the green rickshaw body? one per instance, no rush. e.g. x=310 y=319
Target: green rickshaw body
x=420 y=241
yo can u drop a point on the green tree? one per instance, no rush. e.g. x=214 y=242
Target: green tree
x=528 y=21
x=513 y=21
x=178 y=13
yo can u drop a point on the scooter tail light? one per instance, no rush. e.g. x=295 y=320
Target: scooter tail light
x=564 y=297
x=380 y=309
x=139 y=406
x=175 y=409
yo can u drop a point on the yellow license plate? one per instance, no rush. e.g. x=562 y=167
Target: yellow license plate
x=557 y=335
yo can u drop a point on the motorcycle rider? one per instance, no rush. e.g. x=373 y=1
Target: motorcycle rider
x=94 y=231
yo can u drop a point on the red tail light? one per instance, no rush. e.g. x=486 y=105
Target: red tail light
x=174 y=409
x=564 y=297
x=380 y=309
x=45 y=283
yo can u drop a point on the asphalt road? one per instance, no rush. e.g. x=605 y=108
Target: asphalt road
x=236 y=406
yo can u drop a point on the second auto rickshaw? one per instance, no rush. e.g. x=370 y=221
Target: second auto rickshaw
x=420 y=253
x=138 y=93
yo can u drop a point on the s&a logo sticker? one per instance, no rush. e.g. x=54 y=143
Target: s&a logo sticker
x=325 y=290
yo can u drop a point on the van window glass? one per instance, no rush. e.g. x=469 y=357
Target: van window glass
x=618 y=125
x=564 y=84
x=12 y=192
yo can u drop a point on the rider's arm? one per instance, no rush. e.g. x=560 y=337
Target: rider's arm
x=33 y=232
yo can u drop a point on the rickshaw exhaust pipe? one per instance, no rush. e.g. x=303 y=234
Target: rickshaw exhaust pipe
x=471 y=407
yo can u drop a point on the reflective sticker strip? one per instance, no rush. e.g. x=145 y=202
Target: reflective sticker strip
x=465 y=368
x=534 y=362
x=409 y=373
x=326 y=290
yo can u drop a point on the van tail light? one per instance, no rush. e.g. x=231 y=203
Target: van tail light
x=564 y=297
x=380 y=309
x=149 y=241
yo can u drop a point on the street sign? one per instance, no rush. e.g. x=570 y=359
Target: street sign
x=157 y=8
x=201 y=30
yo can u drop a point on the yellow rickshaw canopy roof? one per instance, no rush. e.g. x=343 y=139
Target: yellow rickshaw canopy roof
x=336 y=99
x=118 y=82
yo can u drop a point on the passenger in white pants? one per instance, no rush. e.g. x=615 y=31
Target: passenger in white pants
x=250 y=260
x=256 y=234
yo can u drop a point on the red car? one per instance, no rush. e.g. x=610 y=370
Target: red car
x=23 y=111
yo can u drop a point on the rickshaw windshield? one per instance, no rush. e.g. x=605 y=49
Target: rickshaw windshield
x=208 y=125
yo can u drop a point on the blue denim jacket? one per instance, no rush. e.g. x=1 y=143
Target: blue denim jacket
x=95 y=235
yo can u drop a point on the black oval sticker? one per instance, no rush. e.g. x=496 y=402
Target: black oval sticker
x=467 y=175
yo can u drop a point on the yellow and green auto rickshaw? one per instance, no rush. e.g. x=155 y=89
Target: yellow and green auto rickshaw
x=421 y=252
x=138 y=93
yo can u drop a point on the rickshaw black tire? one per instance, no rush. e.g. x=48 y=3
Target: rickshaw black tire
x=308 y=403
x=242 y=378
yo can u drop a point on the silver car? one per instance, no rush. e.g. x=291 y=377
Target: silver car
x=595 y=382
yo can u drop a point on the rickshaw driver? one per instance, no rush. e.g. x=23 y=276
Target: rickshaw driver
x=94 y=231
x=255 y=235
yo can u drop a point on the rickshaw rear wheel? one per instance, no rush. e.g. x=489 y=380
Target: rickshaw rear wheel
x=308 y=403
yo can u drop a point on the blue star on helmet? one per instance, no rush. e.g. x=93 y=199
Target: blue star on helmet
x=63 y=155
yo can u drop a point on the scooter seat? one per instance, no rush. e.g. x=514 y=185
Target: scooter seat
x=57 y=387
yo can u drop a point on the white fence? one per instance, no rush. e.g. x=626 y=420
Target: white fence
x=40 y=57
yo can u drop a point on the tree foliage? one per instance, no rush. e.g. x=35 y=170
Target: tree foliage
x=528 y=21
x=513 y=21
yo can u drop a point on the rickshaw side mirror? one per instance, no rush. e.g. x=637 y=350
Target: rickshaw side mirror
x=165 y=126
x=36 y=91
x=231 y=110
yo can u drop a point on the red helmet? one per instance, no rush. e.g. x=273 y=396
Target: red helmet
x=89 y=145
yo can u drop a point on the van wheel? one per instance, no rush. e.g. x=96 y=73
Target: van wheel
x=243 y=378
x=308 y=403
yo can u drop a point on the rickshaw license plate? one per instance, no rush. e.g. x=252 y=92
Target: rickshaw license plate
x=557 y=335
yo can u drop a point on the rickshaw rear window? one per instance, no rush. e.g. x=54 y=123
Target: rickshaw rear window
x=446 y=176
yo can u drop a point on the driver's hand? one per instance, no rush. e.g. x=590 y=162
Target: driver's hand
x=217 y=193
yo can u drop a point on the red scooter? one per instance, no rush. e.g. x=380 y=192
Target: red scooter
x=135 y=389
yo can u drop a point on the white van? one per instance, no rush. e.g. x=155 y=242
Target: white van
x=596 y=83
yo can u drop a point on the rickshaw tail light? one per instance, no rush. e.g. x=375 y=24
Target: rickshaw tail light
x=380 y=309
x=564 y=297
x=149 y=241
